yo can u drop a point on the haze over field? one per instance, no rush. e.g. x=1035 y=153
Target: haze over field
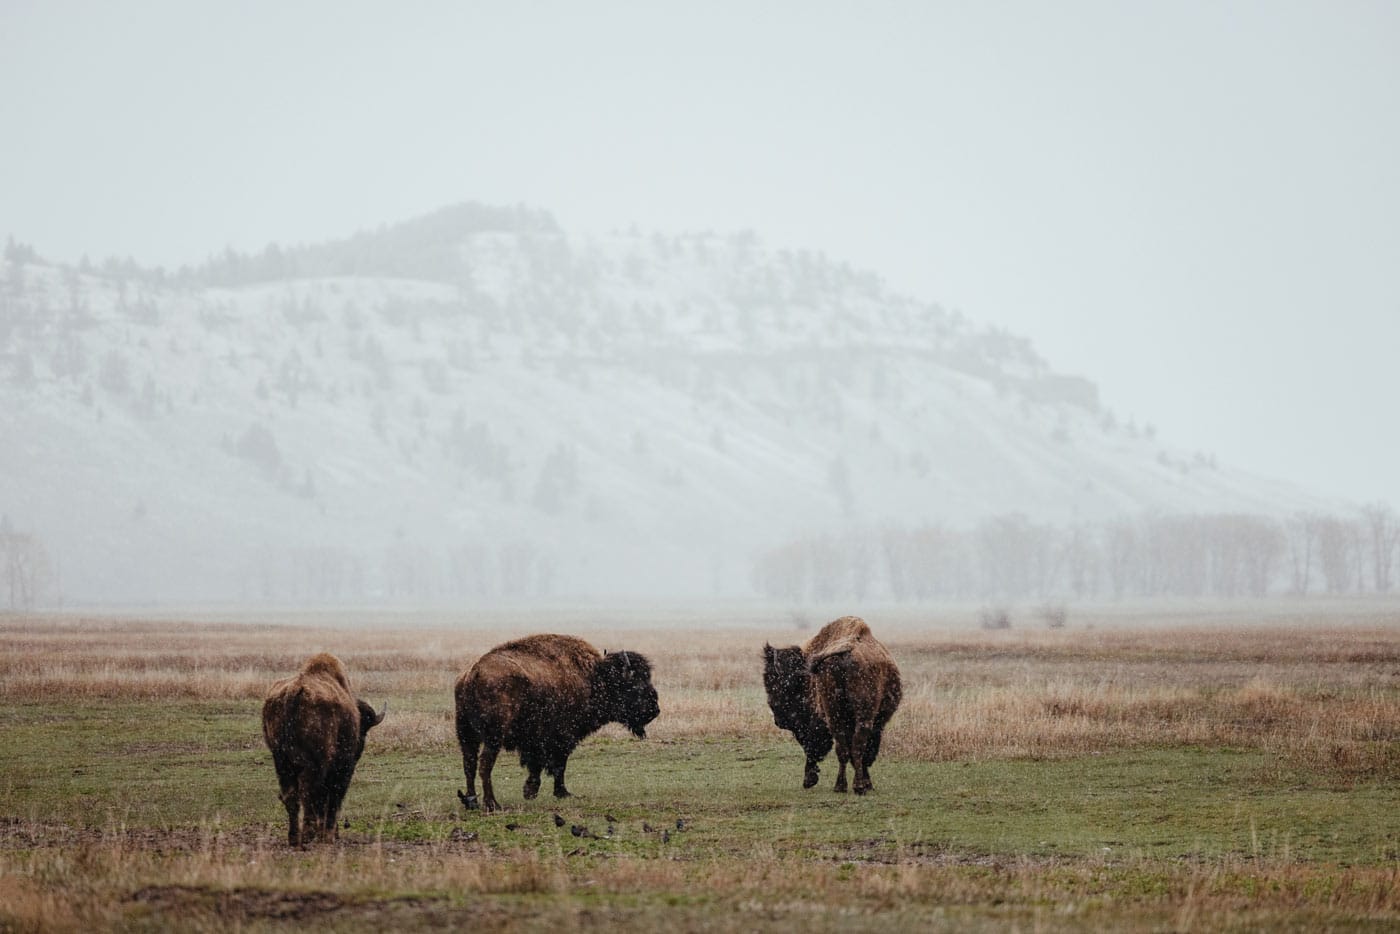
x=1008 y=302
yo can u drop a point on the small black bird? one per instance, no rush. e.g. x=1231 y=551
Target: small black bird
x=578 y=831
x=647 y=828
x=558 y=821
x=512 y=826
x=665 y=836
x=610 y=819
x=680 y=823
x=609 y=831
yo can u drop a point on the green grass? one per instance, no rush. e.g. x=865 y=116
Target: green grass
x=187 y=764
x=1106 y=839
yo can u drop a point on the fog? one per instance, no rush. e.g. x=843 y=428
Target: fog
x=1004 y=301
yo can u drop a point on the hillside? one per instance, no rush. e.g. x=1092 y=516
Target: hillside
x=476 y=404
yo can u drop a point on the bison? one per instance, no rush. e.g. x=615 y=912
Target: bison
x=542 y=695
x=316 y=730
x=841 y=687
x=789 y=686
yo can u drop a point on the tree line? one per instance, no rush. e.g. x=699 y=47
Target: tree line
x=1011 y=557
x=27 y=577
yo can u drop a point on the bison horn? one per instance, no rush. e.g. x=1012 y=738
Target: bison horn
x=379 y=717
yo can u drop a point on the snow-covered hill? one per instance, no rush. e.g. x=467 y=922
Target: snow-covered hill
x=476 y=403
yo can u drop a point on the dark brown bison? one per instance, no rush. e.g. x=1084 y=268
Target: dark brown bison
x=789 y=686
x=841 y=687
x=542 y=695
x=316 y=730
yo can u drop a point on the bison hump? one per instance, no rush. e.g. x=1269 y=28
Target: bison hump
x=556 y=648
x=836 y=637
x=547 y=657
x=555 y=665
x=326 y=665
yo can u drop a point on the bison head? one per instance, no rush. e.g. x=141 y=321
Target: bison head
x=622 y=682
x=368 y=721
x=788 y=683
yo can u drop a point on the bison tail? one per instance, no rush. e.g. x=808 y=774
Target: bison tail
x=469 y=734
x=291 y=716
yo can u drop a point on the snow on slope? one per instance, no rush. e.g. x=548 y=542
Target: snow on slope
x=476 y=404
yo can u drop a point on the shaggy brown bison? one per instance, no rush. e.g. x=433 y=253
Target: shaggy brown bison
x=316 y=730
x=542 y=695
x=841 y=687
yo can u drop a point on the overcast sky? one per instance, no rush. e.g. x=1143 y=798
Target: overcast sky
x=1197 y=205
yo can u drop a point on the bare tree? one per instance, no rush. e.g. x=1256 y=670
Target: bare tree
x=1335 y=542
x=1120 y=551
x=1262 y=543
x=26 y=573
x=895 y=545
x=1301 y=532
x=1081 y=561
x=1385 y=536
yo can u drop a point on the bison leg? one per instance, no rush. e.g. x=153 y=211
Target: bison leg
x=860 y=742
x=311 y=792
x=288 y=793
x=469 y=757
x=317 y=801
x=293 y=805
x=532 y=782
x=843 y=755
x=559 y=766
x=335 y=797
x=811 y=773
x=470 y=744
x=872 y=746
x=488 y=762
x=313 y=821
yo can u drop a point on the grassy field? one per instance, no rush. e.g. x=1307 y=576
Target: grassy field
x=1153 y=770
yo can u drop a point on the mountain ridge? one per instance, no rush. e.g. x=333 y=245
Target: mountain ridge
x=476 y=401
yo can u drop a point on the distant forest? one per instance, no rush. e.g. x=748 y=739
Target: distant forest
x=1013 y=558
x=1007 y=558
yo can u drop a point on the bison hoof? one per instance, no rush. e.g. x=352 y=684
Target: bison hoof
x=470 y=802
x=562 y=793
x=839 y=788
x=490 y=805
x=862 y=789
x=531 y=791
x=809 y=780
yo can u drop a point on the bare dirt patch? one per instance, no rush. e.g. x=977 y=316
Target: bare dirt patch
x=241 y=905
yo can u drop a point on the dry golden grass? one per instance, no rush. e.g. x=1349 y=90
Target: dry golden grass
x=1327 y=696
x=216 y=882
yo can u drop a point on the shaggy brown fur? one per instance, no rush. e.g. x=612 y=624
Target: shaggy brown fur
x=852 y=687
x=837 y=636
x=316 y=730
x=542 y=695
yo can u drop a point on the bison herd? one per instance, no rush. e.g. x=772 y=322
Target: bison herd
x=542 y=695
